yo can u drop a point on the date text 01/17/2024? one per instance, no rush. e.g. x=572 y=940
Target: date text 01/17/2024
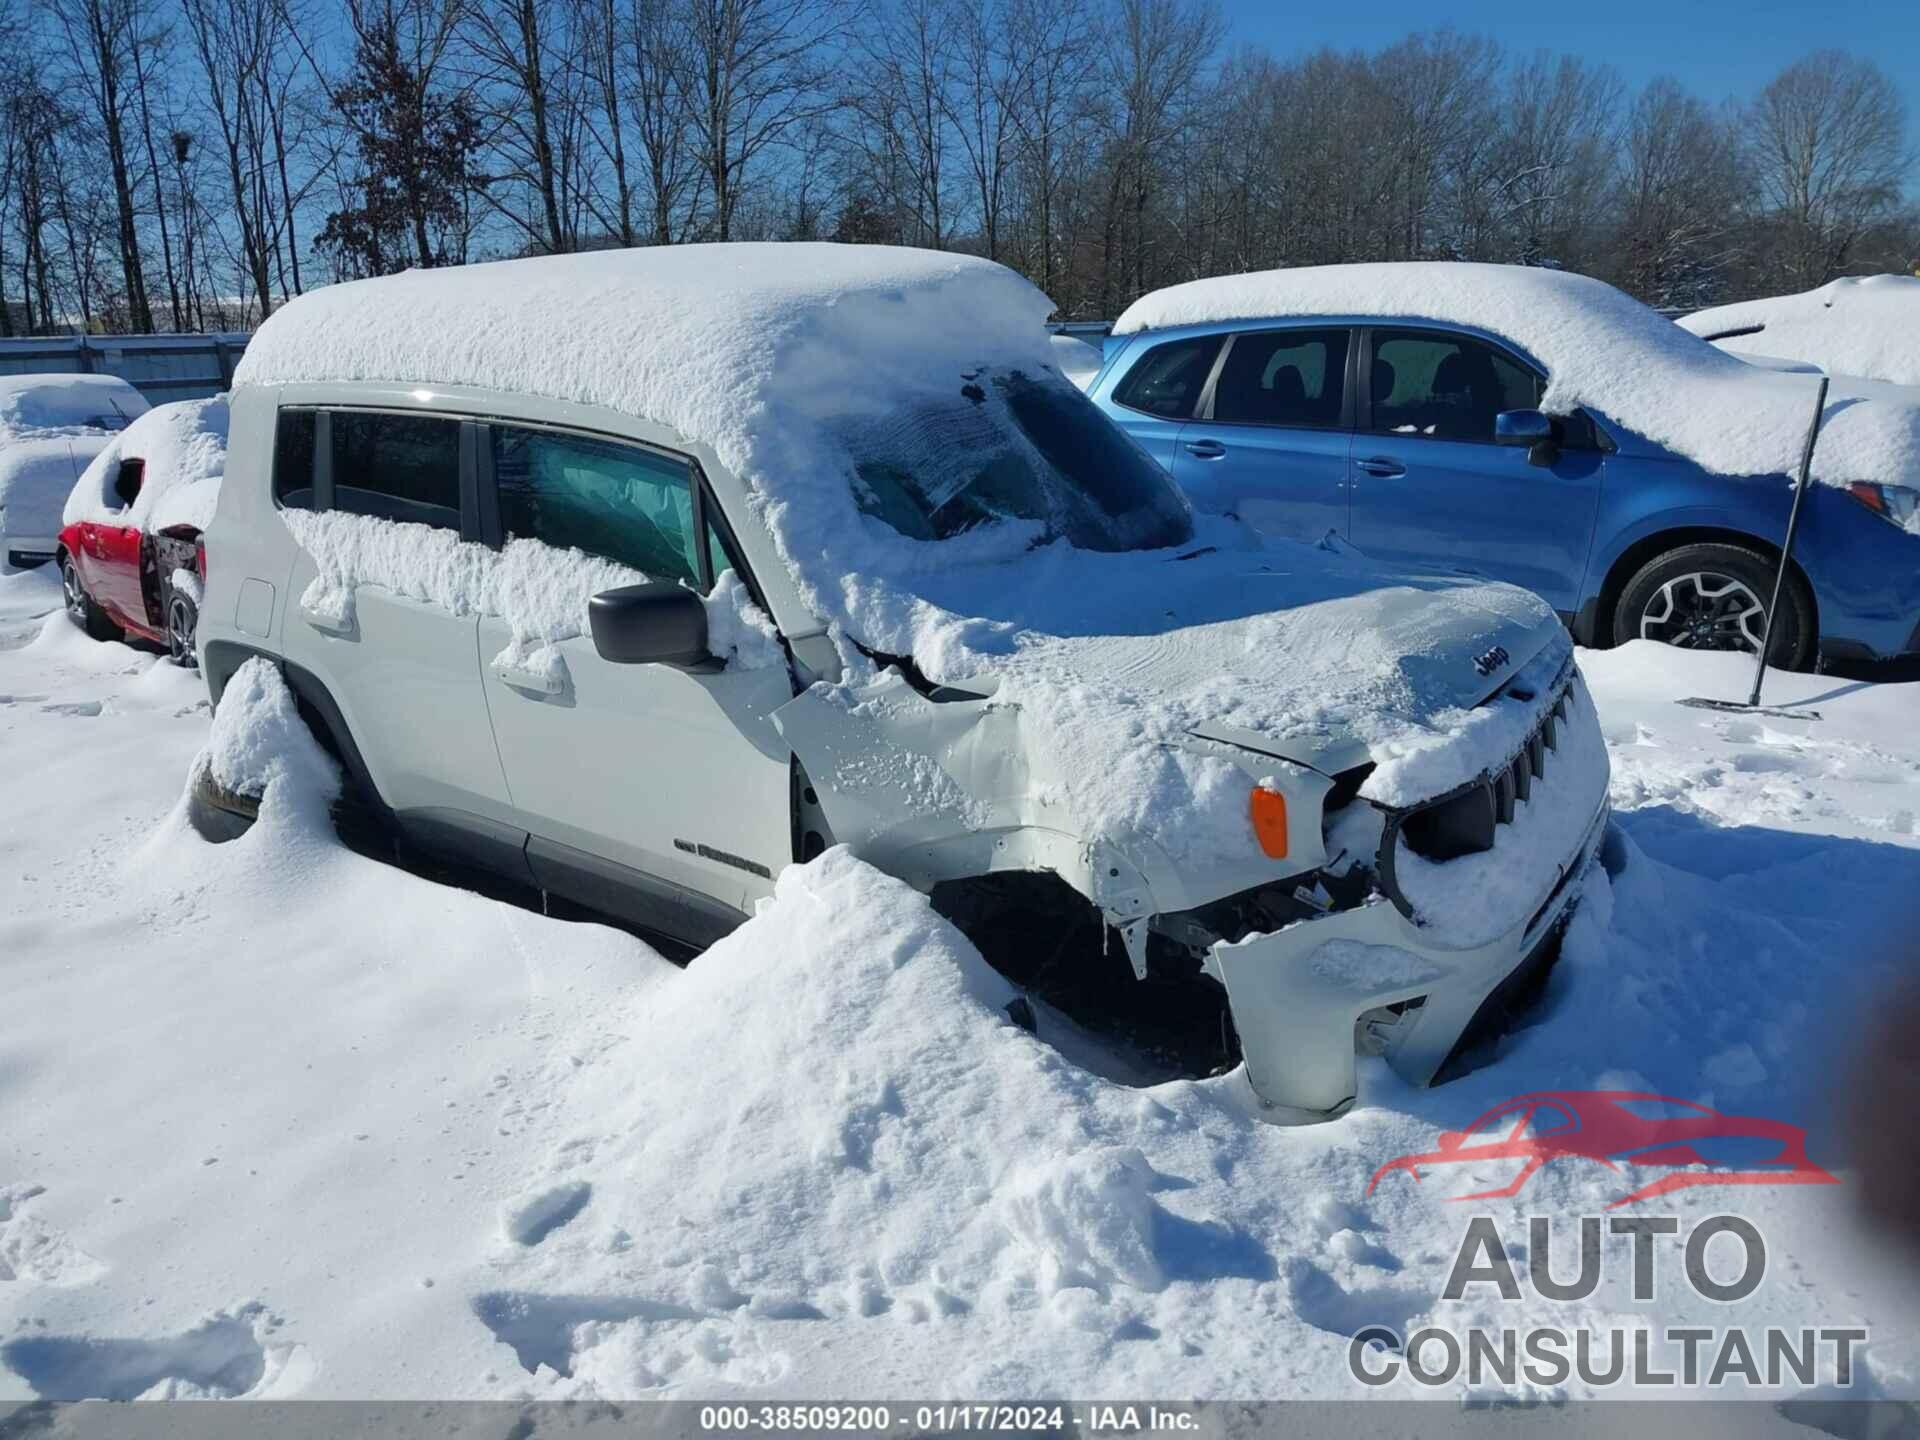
x=872 y=1419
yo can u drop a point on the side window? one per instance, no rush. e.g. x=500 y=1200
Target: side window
x=1167 y=380
x=1446 y=386
x=1283 y=377
x=293 y=459
x=397 y=467
x=617 y=501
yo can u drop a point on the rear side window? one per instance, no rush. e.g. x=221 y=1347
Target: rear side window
x=397 y=467
x=1448 y=387
x=1283 y=377
x=1168 y=379
x=293 y=459
x=618 y=501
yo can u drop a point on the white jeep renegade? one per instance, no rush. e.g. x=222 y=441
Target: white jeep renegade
x=640 y=575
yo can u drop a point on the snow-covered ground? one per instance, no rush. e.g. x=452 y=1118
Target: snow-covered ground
x=278 y=1120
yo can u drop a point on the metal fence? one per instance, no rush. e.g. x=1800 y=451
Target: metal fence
x=161 y=367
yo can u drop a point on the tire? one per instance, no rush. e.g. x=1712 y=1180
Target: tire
x=80 y=607
x=1713 y=596
x=183 y=623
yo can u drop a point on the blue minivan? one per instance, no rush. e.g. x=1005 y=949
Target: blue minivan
x=1422 y=442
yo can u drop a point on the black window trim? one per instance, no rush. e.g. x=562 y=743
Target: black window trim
x=1347 y=403
x=706 y=510
x=1201 y=401
x=480 y=491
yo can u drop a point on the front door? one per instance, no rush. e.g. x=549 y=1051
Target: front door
x=670 y=786
x=1431 y=491
x=1272 y=444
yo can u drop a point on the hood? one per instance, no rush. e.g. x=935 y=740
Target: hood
x=1143 y=718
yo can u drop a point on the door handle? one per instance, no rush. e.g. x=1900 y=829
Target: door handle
x=548 y=680
x=1383 y=467
x=1205 y=449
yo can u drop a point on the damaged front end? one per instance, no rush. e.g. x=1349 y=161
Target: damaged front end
x=1373 y=939
x=1440 y=922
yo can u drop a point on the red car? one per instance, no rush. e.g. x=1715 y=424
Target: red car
x=1609 y=1127
x=130 y=554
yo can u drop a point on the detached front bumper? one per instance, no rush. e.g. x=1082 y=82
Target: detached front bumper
x=1411 y=971
x=1298 y=995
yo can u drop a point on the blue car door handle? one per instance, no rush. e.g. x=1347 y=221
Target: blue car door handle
x=1381 y=466
x=1206 y=449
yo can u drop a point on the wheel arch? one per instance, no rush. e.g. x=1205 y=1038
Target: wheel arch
x=315 y=703
x=1597 y=614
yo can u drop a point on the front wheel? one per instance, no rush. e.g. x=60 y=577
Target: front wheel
x=80 y=607
x=183 y=622
x=1714 y=597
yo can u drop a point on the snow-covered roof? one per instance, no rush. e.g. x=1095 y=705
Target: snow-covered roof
x=1859 y=325
x=184 y=445
x=691 y=336
x=67 y=402
x=1602 y=350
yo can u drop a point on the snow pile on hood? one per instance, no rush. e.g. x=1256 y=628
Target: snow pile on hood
x=541 y=592
x=36 y=476
x=1858 y=325
x=1602 y=350
x=184 y=447
x=67 y=403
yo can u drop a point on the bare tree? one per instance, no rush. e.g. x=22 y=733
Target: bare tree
x=1680 y=192
x=101 y=40
x=753 y=71
x=1150 y=61
x=1829 y=159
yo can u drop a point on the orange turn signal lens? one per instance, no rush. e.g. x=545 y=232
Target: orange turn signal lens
x=1269 y=811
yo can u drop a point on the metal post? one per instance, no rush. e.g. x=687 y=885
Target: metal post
x=1786 y=550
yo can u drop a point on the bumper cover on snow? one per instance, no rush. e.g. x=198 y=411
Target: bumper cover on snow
x=1426 y=991
x=1298 y=994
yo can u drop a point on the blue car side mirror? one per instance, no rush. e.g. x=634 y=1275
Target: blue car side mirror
x=1535 y=429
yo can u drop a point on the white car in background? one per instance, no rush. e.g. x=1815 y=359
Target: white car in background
x=838 y=557
x=51 y=427
x=1859 y=327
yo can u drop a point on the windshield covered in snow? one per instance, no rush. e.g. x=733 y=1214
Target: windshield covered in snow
x=1012 y=447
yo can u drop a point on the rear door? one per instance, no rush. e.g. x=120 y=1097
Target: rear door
x=1431 y=491
x=1276 y=424
x=1160 y=391
x=405 y=672
x=656 y=792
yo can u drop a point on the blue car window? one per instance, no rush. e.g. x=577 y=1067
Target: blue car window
x=1168 y=379
x=1447 y=387
x=1283 y=377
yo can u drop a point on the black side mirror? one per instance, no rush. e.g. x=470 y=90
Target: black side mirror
x=659 y=623
x=126 y=480
x=1535 y=429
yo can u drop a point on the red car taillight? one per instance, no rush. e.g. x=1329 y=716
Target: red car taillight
x=200 y=559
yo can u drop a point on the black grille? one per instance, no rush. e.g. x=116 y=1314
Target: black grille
x=1465 y=819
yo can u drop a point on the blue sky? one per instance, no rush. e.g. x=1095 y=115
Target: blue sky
x=1717 y=48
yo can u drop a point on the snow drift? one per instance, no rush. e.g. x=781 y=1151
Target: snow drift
x=1601 y=349
x=1867 y=326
